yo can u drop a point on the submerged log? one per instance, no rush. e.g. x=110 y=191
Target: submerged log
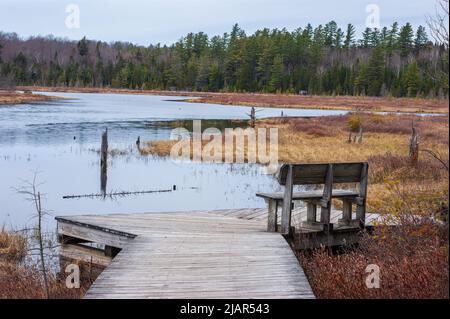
x=120 y=194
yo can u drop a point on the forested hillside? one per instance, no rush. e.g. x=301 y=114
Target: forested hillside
x=395 y=61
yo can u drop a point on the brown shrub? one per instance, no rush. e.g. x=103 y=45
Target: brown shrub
x=402 y=124
x=319 y=127
x=354 y=122
x=376 y=118
x=25 y=282
x=387 y=127
x=413 y=263
x=400 y=167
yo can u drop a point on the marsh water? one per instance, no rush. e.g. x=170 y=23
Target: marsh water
x=59 y=140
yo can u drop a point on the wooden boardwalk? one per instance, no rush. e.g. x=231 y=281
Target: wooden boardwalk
x=213 y=254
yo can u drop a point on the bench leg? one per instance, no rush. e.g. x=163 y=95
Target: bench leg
x=346 y=212
x=325 y=213
x=286 y=212
x=272 y=208
x=311 y=212
x=361 y=214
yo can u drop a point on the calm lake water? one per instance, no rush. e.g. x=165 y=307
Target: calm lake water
x=59 y=141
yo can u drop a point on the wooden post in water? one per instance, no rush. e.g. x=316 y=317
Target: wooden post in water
x=138 y=143
x=104 y=162
x=252 y=117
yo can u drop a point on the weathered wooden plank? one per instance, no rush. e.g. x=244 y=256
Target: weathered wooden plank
x=361 y=206
x=311 y=212
x=214 y=254
x=309 y=195
x=84 y=254
x=192 y=255
x=346 y=212
x=306 y=174
x=300 y=214
x=325 y=211
x=287 y=202
x=92 y=234
x=272 y=215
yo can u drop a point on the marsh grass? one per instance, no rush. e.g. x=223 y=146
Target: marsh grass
x=14 y=97
x=13 y=246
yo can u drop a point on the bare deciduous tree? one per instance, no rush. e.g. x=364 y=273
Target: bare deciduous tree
x=438 y=23
x=32 y=194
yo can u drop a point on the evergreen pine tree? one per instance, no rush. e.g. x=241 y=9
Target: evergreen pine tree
x=338 y=38
x=375 y=71
x=412 y=80
x=83 y=49
x=374 y=38
x=276 y=78
x=330 y=33
x=365 y=41
x=392 y=37
x=349 y=36
x=405 y=40
x=421 y=39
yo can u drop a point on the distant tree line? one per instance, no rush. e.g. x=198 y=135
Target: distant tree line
x=396 y=61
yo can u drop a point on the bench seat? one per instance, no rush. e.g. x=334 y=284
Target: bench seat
x=312 y=195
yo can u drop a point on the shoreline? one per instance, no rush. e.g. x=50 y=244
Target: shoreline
x=13 y=97
x=343 y=103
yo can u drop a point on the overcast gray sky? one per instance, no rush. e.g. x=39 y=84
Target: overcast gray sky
x=165 y=21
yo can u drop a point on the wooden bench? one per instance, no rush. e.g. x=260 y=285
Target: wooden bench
x=327 y=174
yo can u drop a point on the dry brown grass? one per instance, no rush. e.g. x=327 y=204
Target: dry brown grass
x=20 y=277
x=13 y=97
x=13 y=246
x=25 y=282
x=325 y=138
x=374 y=104
x=161 y=148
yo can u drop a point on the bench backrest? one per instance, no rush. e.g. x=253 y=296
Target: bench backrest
x=327 y=174
x=307 y=174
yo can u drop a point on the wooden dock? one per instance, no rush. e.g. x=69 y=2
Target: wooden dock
x=199 y=254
